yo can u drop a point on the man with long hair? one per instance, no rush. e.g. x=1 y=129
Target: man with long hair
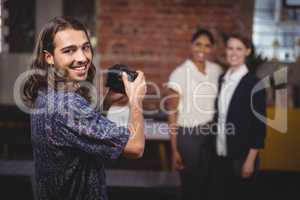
x=70 y=140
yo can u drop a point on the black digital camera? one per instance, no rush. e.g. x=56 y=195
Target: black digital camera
x=114 y=77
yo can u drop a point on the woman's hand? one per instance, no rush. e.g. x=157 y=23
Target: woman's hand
x=247 y=169
x=177 y=163
x=249 y=164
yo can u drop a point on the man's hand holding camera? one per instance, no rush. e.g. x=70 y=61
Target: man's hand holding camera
x=135 y=90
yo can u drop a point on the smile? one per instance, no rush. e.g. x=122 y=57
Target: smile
x=80 y=69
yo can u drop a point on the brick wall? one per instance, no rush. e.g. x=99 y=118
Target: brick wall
x=154 y=35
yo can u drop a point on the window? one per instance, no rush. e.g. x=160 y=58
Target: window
x=1 y=25
x=276 y=37
x=21 y=26
x=290 y=11
x=291 y=3
x=86 y=14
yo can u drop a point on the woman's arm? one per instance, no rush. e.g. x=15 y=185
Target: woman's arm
x=249 y=164
x=172 y=104
x=258 y=131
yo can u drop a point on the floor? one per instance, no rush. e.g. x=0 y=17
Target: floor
x=271 y=185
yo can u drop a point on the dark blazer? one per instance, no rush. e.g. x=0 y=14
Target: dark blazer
x=249 y=131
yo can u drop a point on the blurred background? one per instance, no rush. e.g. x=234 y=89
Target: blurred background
x=154 y=36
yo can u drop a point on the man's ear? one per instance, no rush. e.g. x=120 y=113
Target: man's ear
x=48 y=57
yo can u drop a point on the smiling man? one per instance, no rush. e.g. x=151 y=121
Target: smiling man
x=72 y=53
x=70 y=140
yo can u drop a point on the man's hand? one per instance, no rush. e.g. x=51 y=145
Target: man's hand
x=135 y=90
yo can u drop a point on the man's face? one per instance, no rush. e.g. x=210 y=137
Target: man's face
x=72 y=52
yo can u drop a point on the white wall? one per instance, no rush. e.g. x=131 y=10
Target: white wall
x=11 y=66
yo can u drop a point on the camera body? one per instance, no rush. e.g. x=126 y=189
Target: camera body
x=114 y=77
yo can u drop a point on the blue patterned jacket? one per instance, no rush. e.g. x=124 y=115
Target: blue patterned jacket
x=70 y=143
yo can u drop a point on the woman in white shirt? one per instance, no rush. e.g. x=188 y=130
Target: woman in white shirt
x=192 y=91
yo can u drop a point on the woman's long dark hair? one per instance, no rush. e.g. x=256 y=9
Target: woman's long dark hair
x=40 y=81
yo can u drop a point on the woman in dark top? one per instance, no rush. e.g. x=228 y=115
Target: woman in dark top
x=240 y=127
x=70 y=139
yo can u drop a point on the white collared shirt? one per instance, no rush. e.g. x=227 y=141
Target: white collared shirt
x=197 y=92
x=230 y=82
